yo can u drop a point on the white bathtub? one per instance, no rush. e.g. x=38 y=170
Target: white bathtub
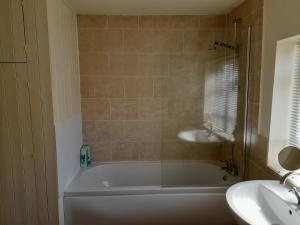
x=133 y=193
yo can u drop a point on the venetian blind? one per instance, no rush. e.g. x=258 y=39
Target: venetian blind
x=294 y=132
x=222 y=97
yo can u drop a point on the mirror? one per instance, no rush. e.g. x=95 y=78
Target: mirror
x=289 y=158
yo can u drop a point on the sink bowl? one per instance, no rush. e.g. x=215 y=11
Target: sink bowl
x=263 y=203
x=198 y=136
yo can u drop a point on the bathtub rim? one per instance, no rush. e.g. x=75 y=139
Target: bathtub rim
x=147 y=189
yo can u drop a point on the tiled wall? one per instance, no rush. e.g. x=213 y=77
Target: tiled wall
x=142 y=81
x=251 y=12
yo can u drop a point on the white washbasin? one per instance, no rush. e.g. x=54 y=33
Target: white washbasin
x=198 y=136
x=263 y=203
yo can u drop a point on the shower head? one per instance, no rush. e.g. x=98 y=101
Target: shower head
x=221 y=44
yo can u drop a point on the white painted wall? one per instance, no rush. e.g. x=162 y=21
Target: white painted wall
x=68 y=141
x=281 y=100
x=281 y=20
x=64 y=57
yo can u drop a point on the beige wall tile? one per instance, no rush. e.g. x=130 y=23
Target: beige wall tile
x=124 y=64
x=174 y=150
x=138 y=65
x=95 y=109
x=87 y=87
x=142 y=131
x=125 y=151
x=148 y=41
x=132 y=41
x=124 y=109
x=194 y=87
x=154 y=22
x=85 y=40
x=184 y=22
x=131 y=65
x=185 y=64
x=197 y=41
x=191 y=109
x=256 y=58
x=107 y=40
x=146 y=22
x=210 y=151
x=173 y=87
x=153 y=65
x=152 y=109
x=150 y=151
x=123 y=22
x=91 y=21
x=108 y=131
x=179 y=86
x=138 y=87
x=153 y=41
x=93 y=63
x=171 y=41
x=101 y=151
x=88 y=131
x=260 y=150
x=258 y=172
x=158 y=87
x=178 y=150
x=109 y=87
x=213 y=21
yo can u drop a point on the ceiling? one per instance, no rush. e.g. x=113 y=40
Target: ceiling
x=153 y=7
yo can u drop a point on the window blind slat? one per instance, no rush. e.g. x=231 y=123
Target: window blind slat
x=222 y=95
x=294 y=131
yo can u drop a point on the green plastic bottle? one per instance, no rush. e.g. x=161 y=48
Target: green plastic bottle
x=83 y=157
x=88 y=154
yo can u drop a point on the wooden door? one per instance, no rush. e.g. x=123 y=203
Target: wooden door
x=12 y=38
x=18 y=189
x=28 y=178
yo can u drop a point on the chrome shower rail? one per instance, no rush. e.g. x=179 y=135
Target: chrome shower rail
x=247 y=94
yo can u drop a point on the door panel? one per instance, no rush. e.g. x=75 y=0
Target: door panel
x=17 y=193
x=12 y=38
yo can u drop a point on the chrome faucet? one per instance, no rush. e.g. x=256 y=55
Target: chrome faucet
x=210 y=127
x=297 y=193
x=292 y=180
x=229 y=167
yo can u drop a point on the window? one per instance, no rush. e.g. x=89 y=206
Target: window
x=294 y=123
x=285 y=118
x=221 y=95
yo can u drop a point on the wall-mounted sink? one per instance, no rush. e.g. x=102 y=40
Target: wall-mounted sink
x=263 y=203
x=198 y=136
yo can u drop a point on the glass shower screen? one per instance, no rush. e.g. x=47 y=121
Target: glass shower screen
x=198 y=127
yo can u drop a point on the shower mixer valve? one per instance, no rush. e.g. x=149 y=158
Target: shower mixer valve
x=229 y=167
